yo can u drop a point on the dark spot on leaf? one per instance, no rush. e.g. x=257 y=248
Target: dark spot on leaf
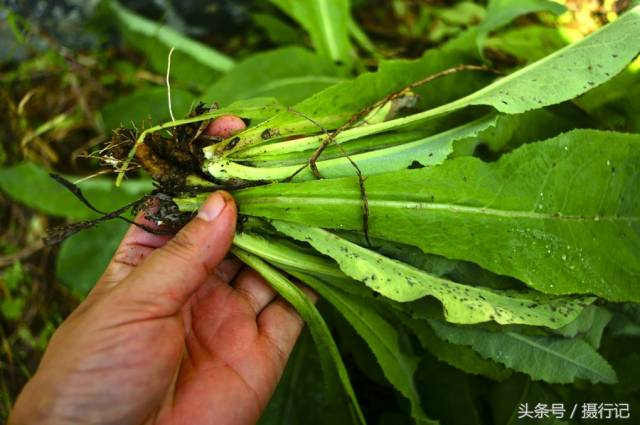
x=232 y=144
x=415 y=164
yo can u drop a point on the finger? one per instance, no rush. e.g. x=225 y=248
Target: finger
x=254 y=289
x=225 y=126
x=171 y=274
x=228 y=269
x=222 y=275
x=136 y=245
x=280 y=324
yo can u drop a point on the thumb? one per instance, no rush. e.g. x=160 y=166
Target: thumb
x=172 y=273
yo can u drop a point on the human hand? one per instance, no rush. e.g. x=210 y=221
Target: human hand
x=172 y=333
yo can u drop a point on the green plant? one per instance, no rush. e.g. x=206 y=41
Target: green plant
x=342 y=204
x=473 y=236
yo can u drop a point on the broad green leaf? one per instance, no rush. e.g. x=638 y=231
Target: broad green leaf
x=562 y=76
x=381 y=336
x=458 y=356
x=334 y=370
x=139 y=30
x=432 y=264
x=461 y=303
x=84 y=256
x=144 y=107
x=431 y=150
x=501 y=12
x=551 y=359
x=289 y=74
x=568 y=72
x=572 y=201
x=326 y=22
x=31 y=185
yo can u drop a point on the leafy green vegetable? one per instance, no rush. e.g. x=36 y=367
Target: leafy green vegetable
x=336 y=104
x=565 y=74
x=552 y=359
x=461 y=304
x=504 y=216
x=430 y=150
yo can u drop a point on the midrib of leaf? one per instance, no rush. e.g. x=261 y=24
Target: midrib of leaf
x=327 y=28
x=561 y=356
x=452 y=208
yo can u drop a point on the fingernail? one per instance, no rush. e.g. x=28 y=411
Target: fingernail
x=212 y=207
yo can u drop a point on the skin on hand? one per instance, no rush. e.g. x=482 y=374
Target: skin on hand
x=172 y=333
